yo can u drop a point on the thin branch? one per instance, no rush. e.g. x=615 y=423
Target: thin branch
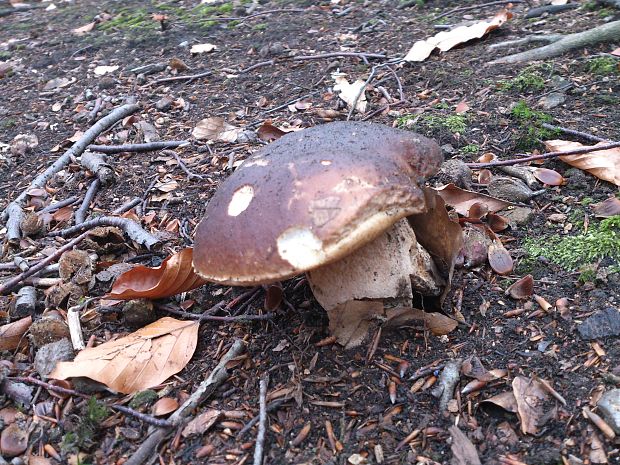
x=58 y=205
x=475 y=7
x=262 y=425
x=131 y=228
x=572 y=132
x=190 y=175
x=178 y=418
x=151 y=420
x=189 y=78
x=275 y=405
x=80 y=214
x=544 y=156
x=227 y=319
x=146 y=147
x=13 y=282
x=76 y=150
x=127 y=206
x=321 y=56
x=92 y=116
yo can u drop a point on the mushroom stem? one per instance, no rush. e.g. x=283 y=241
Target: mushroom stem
x=391 y=269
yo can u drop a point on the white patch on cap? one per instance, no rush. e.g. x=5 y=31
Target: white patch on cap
x=301 y=248
x=326 y=162
x=255 y=162
x=240 y=200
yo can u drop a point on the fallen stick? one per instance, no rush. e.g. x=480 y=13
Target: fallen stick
x=131 y=228
x=58 y=205
x=262 y=422
x=604 y=33
x=13 y=282
x=146 y=147
x=80 y=214
x=544 y=156
x=189 y=78
x=178 y=418
x=76 y=150
x=572 y=132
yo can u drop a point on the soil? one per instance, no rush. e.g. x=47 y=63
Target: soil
x=322 y=383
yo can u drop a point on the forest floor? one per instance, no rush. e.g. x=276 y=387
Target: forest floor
x=329 y=405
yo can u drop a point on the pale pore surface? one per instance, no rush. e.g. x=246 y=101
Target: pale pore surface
x=301 y=248
x=240 y=200
x=383 y=269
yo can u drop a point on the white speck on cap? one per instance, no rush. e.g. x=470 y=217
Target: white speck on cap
x=240 y=200
x=301 y=248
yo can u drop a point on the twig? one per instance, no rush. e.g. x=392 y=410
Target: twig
x=572 y=132
x=182 y=165
x=262 y=425
x=11 y=283
x=189 y=77
x=76 y=150
x=13 y=224
x=257 y=65
x=80 y=214
x=58 y=205
x=285 y=105
x=178 y=418
x=146 y=147
x=426 y=371
x=95 y=111
x=48 y=386
x=373 y=72
x=474 y=7
x=551 y=9
x=262 y=13
x=275 y=405
x=544 y=156
x=127 y=206
x=151 y=420
x=227 y=319
x=321 y=56
x=133 y=229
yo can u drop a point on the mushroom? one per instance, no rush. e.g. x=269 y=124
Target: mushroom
x=331 y=201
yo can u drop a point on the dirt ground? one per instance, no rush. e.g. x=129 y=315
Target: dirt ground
x=323 y=386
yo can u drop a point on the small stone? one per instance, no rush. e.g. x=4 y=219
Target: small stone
x=609 y=406
x=518 y=216
x=557 y=217
x=554 y=99
x=13 y=440
x=48 y=355
x=511 y=189
x=456 y=172
x=107 y=83
x=139 y=312
x=50 y=328
x=164 y=103
x=603 y=323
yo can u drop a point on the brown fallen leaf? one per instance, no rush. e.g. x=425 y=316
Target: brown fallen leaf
x=521 y=289
x=268 y=132
x=175 y=275
x=164 y=406
x=607 y=208
x=12 y=334
x=463 y=451
x=505 y=400
x=530 y=396
x=84 y=29
x=462 y=200
x=202 y=423
x=216 y=129
x=549 y=177
x=446 y=40
x=604 y=164
x=437 y=323
x=138 y=361
x=499 y=258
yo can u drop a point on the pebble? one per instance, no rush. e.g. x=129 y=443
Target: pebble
x=48 y=355
x=557 y=217
x=518 y=216
x=609 y=406
x=603 y=323
x=164 y=103
x=554 y=99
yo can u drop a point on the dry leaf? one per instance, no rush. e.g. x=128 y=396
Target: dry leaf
x=175 y=275
x=164 y=406
x=604 y=164
x=349 y=92
x=202 y=423
x=530 y=396
x=521 y=289
x=505 y=400
x=202 y=48
x=607 y=208
x=446 y=40
x=616 y=52
x=462 y=200
x=549 y=177
x=499 y=258
x=497 y=222
x=461 y=107
x=58 y=83
x=463 y=451
x=216 y=129
x=84 y=29
x=268 y=132
x=137 y=361
x=12 y=334
x=437 y=323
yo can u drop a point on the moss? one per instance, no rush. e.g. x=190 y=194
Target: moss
x=453 y=123
x=142 y=398
x=260 y=27
x=131 y=20
x=5 y=55
x=578 y=252
x=470 y=148
x=603 y=66
x=528 y=80
x=8 y=123
x=82 y=436
x=530 y=126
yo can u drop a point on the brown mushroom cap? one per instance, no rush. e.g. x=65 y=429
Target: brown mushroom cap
x=311 y=198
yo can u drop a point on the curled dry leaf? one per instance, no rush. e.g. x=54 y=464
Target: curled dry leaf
x=484 y=176
x=175 y=275
x=530 y=396
x=477 y=210
x=202 y=48
x=463 y=451
x=607 y=208
x=505 y=400
x=549 y=177
x=462 y=200
x=216 y=129
x=604 y=164
x=499 y=258
x=446 y=40
x=497 y=222
x=521 y=289
x=202 y=423
x=268 y=132
x=12 y=334
x=164 y=406
x=137 y=361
